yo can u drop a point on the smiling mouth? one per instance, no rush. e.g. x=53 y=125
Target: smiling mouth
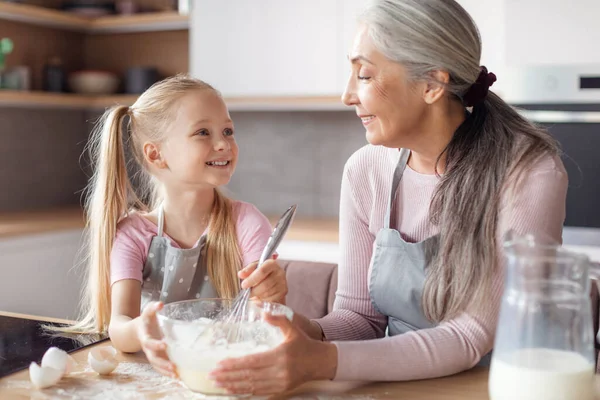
x=368 y=118
x=218 y=163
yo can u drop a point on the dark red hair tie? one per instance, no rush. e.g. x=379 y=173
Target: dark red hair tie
x=480 y=88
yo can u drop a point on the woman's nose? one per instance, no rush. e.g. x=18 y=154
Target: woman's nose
x=349 y=97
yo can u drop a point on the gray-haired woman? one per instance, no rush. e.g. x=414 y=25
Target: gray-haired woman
x=421 y=268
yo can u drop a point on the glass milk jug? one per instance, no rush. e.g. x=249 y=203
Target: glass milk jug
x=544 y=347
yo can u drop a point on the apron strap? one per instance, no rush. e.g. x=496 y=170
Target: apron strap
x=404 y=154
x=161 y=220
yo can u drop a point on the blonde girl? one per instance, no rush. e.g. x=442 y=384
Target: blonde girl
x=176 y=236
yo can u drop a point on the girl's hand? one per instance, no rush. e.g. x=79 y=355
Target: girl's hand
x=268 y=282
x=150 y=337
x=297 y=360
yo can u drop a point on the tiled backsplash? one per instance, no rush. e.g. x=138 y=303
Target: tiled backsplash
x=40 y=158
x=294 y=158
x=285 y=158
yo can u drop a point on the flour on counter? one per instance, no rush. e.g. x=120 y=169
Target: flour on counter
x=128 y=381
x=135 y=381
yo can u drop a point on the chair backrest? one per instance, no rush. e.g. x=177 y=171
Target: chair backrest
x=311 y=287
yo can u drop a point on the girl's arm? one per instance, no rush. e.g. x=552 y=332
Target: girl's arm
x=125 y=315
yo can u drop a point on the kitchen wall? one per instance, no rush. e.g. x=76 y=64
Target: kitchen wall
x=294 y=158
x=285 y=158
x=40 y=158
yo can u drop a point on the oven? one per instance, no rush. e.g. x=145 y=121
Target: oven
x=566 y=101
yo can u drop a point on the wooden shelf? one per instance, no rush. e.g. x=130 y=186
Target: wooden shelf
x=42 y=17
x=74 y=101
x=150 y=22
x=20 y=99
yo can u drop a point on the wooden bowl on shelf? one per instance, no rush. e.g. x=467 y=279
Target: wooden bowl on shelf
x=93 y=82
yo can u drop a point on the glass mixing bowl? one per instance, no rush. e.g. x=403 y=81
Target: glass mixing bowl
x=195 y=343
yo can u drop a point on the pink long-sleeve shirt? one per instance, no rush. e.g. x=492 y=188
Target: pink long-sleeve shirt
x=538 y=207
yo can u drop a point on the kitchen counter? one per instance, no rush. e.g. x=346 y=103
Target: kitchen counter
x=15 y=224
x=35 y=222
x=134 y=378
x=310 y=239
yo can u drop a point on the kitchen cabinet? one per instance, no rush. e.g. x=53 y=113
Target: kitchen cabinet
x=294 y=49
x=266 y=47
x=158 y=39
x=552 y=32
x=39 y=276
x=489 y=16
x=526 y=32
x=348 y=12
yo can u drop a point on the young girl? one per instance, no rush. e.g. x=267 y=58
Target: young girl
x=180 y=238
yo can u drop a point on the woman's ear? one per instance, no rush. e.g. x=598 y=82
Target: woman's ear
x=437 y=87
x=153 y=156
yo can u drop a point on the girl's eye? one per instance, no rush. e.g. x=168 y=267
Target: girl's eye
x=228 y=132
x=203 y=132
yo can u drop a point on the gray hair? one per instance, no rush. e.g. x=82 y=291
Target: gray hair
x=433 y=35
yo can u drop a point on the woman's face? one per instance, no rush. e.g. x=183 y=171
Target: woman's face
x=390 y=107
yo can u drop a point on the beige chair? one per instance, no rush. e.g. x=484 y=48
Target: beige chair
x=312 y=287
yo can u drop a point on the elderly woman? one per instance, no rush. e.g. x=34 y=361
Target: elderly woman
x=449 y=169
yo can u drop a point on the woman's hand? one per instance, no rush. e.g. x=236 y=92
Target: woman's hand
x=150 y=337
x=268 y=282
x=297 y=360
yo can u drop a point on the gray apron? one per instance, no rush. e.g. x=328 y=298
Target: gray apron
x=173 y=274
x=398 y=271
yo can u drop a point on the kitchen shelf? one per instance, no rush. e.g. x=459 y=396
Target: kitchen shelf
x=74 y=101
x=149 y=22
x=9 y=98
x=42 y=16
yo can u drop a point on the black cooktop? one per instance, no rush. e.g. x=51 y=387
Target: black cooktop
x=23 y=341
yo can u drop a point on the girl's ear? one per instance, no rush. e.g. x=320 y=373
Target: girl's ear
x=153 y=156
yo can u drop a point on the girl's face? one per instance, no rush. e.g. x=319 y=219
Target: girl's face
x=200 y=150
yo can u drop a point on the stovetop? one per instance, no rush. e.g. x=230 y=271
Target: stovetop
x=23 y=341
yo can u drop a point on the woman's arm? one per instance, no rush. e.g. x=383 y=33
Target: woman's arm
x=311 y=328
x=353 y=316
x=538 y=207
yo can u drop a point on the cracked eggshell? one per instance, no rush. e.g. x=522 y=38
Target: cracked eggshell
x=43 y=377
x=58 y=359
x=103 y=359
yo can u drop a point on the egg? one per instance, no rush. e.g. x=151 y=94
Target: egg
x=43 y=377
x=103 y=359
x=58 y=359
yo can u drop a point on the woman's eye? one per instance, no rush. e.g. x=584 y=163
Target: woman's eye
x=203 y=132
x=228 y=132
x=364 y=78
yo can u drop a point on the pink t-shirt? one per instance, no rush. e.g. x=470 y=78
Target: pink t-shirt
x=134 y=234
x=357 y=329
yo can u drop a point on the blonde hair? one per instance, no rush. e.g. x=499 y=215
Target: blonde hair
x=111 y=196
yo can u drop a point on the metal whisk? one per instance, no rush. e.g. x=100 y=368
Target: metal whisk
x=230 y=321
